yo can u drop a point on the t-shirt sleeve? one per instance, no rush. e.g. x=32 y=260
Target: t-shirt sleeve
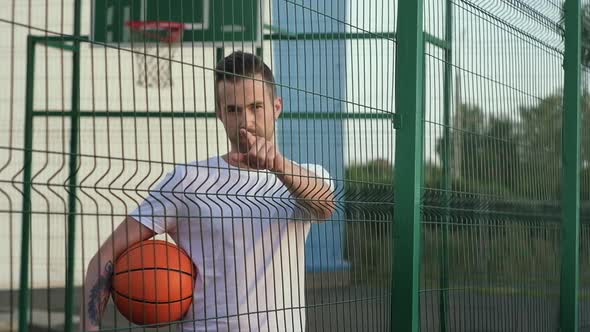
x=160 y=209
x=319 y=173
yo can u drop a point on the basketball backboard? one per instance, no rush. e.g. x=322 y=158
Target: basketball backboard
x=211 y=22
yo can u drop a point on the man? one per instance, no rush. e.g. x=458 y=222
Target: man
x=243 y=217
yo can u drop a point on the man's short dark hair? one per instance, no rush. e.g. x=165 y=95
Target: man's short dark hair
x=240 y=65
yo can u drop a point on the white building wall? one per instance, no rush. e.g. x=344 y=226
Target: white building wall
x=120 y=157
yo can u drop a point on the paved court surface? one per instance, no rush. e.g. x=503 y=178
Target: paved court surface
x=356 y=308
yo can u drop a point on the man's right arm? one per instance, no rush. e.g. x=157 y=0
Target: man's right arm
x=97 y=285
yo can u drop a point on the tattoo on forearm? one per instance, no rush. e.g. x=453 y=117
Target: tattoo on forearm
x=99 y=294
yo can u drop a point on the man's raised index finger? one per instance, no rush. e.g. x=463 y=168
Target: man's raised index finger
x=248 y=136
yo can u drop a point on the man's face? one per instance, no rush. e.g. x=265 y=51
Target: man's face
x=247 y=104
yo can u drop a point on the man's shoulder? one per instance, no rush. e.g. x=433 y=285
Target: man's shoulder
x=200 y=170
x=212 y=162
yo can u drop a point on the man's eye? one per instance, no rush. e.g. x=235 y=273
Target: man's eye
x=259 y=107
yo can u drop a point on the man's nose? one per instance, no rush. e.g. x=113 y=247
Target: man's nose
x=249 y=120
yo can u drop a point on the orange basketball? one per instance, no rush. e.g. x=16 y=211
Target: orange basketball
x=153 y=282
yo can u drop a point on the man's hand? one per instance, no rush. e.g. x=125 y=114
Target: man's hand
x=262 y=154
x=313 y=193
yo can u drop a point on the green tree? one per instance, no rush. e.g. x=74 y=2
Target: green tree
x=482 y=149
x=521 y=157
x=541 y=135
x=501 y=154
x=540 y=147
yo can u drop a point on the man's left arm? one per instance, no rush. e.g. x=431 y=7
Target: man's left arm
x=312 y=191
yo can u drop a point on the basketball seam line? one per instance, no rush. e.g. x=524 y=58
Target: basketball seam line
x=153 y=268
x=150 y=302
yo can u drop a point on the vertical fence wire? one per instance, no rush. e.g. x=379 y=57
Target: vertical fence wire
x=585 y=173
x=584 y=187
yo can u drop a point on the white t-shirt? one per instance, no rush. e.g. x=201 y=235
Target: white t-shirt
x=246 y=235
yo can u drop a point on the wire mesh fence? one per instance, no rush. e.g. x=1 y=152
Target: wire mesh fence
x=281 y=184
x=491 y=217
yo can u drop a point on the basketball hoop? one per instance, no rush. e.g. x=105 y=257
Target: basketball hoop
x=155 y=44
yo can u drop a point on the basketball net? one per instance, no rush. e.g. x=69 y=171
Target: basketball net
x=155 y=44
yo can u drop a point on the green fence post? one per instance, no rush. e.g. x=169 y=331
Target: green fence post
x=408 y=167
x=570 y=189
x=23 y=295
x=73 y=169
x=446 y=160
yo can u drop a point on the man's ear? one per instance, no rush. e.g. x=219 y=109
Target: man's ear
x=278 y=107
x=217 y=108
x=217 y=103
x=217 y=112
